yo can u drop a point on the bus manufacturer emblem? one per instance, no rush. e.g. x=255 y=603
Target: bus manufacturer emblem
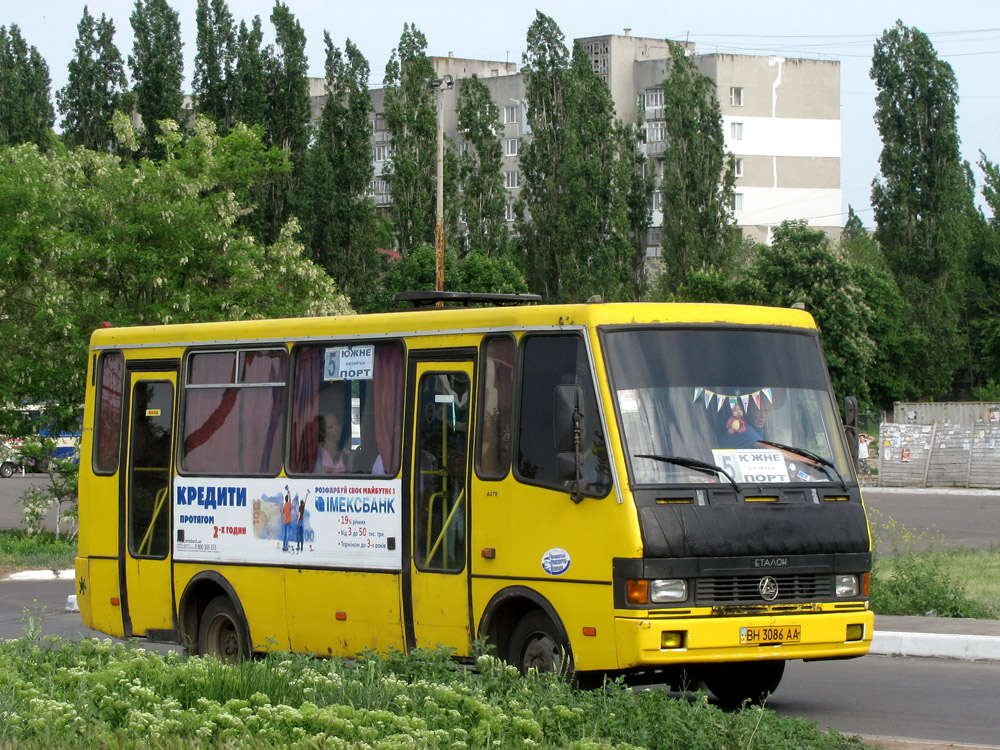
x=768 y=588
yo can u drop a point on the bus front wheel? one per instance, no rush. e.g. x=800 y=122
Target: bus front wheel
x=734 y=684
x=7 y=470
x=222 y=632
x=536 y=644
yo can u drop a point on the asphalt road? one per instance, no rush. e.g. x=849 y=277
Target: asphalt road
x=959 y=518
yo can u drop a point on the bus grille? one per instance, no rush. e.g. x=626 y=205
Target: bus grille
x=746 y=589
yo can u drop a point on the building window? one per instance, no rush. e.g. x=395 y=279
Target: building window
x=510 y=114
x=657 y=200
x=463 y=147
x=510 y=212
x=738 y=167
x=511 y=178
x=653 y=98
x=512 y=147
x=736 y=96
x=656 y=131
x=383 y=153
x=736 y=204
x=737 y=131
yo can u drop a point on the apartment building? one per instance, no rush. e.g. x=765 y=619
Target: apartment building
x=781 y=119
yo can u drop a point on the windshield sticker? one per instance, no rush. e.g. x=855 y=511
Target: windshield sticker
x=555 y=561
x=752 y=464
x=628 y=402
x=349 y=363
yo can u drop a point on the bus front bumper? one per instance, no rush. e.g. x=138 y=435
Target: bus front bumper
x=661 y=641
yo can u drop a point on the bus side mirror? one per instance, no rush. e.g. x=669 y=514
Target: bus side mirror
x=568 y=429
x=851 y=426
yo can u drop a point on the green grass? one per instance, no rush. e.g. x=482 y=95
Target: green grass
x=917 y=574
x=20 y=550
x=95 y=694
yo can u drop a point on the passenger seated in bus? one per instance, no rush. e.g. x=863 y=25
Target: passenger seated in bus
x=331 y=458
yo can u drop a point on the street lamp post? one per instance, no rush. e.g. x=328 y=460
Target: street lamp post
x=436 y=85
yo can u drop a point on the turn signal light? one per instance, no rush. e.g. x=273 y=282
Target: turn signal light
x=637 y=591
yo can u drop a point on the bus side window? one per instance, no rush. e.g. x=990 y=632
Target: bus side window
x=548 y=361
x=108 y=429
x=347 y=409
x=496 y=402
x=234 y=411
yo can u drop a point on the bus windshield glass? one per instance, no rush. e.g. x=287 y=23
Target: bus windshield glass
x=754 y=402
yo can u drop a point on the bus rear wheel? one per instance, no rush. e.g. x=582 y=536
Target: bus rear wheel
x=734 y=684
x=222 y=632
x=7 y=470
x=536 y=644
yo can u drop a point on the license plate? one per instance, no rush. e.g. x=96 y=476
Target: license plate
x=771 y=634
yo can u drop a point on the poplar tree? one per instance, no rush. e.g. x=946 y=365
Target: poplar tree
x=288 y=112
x=26 y=113
x=157 y=69
x=249 y=89
x=95 y=88
x=582 y=209
x=214 y=63
x=698 y=177
x=484 y=196
x=341 y=223
x=411 y=119
x=923 y=200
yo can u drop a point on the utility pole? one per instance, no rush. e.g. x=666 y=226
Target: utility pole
x=436 y=85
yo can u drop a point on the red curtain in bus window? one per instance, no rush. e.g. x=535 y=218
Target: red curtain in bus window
x=305 y=409
x=209 y=433
x=389 y=404
x=109 y=415
x=261 y=412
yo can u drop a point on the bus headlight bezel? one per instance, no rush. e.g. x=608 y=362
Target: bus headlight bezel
x=846 y=585
x=668 y=590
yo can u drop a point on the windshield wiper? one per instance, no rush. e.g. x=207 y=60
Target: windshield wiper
x=691 y=463
x=823 y=463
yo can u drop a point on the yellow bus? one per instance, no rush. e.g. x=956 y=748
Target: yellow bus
x=630 y=489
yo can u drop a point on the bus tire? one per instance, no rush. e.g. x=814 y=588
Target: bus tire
x=735 y=684
x=222 y=632
x=7 y=470
x=536 y=643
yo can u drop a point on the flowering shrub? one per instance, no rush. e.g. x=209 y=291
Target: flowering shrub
x=95 y=693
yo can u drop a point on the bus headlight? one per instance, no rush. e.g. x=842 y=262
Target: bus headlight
x=668 y=590
x=846 y=584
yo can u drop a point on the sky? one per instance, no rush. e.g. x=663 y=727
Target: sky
x=965 y=33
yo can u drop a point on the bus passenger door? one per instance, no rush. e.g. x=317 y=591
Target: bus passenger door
x=436 y=590
x=147 y=591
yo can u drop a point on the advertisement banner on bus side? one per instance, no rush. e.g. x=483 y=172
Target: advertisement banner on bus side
x=343 y=523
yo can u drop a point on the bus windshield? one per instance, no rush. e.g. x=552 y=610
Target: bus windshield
x=754 y=402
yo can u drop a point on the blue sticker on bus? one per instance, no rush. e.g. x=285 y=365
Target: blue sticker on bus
x=555 y=561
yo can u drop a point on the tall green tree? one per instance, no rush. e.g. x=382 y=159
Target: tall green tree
x=249 y=89
x=801 y=265
x=575 y=209
x=411 y=119
x=340 y=219
x=484 y=197
x=696 y=189
x=923 y=201
x=157 y=66
x=288 y=112
x=215 y=62
x=26 y=113
x=93 y=239
x=96 y=86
